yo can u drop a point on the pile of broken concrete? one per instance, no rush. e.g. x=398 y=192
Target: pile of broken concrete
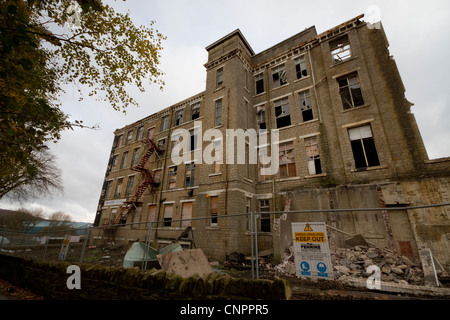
x=353 y=263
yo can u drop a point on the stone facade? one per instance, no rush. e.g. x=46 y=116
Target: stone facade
x=347 y=139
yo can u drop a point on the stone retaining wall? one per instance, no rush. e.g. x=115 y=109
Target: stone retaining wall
x=106 y=283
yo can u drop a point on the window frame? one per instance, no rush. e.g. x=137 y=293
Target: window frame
x=259 y=83
x=291 y=170
x=338 y=46
x=189 y=181
x=345 y=91
x=280 y=103
x=300 y=67
x=315 y=160
x=366 y=144
x=279 y=76
x=307 y=112
x=218 y=118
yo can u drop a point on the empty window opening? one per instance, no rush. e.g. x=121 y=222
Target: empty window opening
x=306 y=106
x=313 y=156
x=279 y=76
x=195 y=111
x=363 y=147
x=259 y=79
x=265 y=217
x=282 y=113
x=287 y=160
x=350 y=91
x=340 y=49
x=300 y=67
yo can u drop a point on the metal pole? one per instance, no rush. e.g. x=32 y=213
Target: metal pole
x=46 y=244
x=251 y=238
x=86 y=236
x=147 y=244
x=256 y=247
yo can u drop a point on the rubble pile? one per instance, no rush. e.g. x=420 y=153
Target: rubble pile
x=353 y=262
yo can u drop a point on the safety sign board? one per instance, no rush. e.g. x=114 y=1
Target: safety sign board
x=311 y=250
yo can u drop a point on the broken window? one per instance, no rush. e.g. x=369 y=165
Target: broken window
x=340 y=49
x=282 y=113
x=363 y=147
x=195 y=111
x=162 y=144
x=119 y=141
x=189 y=180
x=218 y=114
x=124 y=160
x=261 y=118
x=172 y=177
x=129 y=136
x=168 y=211
x=263 y=163
x=213 y=209
x=350 y=91
x=135 y=158
x=129 y=188
x=217 y=156
x=313 y=155
x=165 y=123
x=140 y=132
x=279 y=76
x=192 y=140
x=300 y=67
x=306 y=106
x=219 y=78
x=179 y=117
x=265 y=217
x=114 y=160
x=118 y=188
x=259 y=79
x=108 y=188
x=287 y=160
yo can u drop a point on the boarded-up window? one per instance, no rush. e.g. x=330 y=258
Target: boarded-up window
x=287 y=160
x=152 y=213
x=129 y=185
x=186 y=213
x=168 y=211
x=313 y=155
x=157 y=175
x=363 y=147
x=213 y=209
x=118 y=187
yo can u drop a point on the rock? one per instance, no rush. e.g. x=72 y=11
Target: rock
x=402 y=266
x=396 y=270
x=385 y=269
x=372 y=255
x=343 y=269
x=404 y=282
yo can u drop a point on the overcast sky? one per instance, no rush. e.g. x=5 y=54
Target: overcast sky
x=418 y=33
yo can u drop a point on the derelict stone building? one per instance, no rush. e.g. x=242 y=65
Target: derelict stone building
x=346 y=139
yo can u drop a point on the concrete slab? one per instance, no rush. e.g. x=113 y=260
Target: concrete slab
x=185 y=263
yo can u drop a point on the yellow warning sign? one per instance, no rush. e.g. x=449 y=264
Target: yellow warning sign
x=308 y=227
x=315 y=237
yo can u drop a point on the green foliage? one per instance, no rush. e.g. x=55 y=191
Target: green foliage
x=45 y=44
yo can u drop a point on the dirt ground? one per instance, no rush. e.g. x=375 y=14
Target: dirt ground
x=113 y=255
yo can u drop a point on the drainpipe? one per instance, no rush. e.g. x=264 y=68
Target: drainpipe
x=163 y=173
x=314 y=85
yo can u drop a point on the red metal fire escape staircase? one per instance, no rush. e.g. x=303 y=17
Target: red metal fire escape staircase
x=148 y=180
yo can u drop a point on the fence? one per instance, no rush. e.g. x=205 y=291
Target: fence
x=80 y=243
